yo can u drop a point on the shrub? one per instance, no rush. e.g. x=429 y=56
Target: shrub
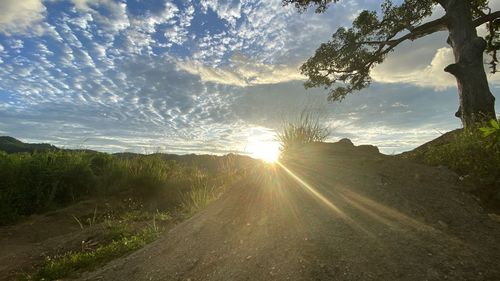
x=491 y=131
x=469 y=154
x=306 y=128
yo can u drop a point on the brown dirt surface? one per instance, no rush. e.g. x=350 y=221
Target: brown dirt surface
x=27 y=243
x=341 y=213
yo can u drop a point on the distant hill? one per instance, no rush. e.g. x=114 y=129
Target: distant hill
x=211 y=163
x=12 y=145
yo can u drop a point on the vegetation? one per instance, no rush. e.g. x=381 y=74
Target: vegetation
x=34 y=183
x=473 y=153
x=12 y=145
x=352 y=52
x=295 y=133
x=120 y=238
x=153 y=185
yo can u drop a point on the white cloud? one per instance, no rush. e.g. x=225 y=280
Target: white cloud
x=104 y=69
x=82 y=21
x=226 y=9
x=19 y=16
x=242 y=72
x=114 y=20
x=431 y=75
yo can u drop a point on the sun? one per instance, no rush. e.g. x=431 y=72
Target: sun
x=268 y=151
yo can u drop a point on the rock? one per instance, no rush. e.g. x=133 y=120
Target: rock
x=346 y=141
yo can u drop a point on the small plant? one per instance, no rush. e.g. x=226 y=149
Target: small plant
x=470 y=154
x=305 y=129
x=90 y=221
x=70 y=263
x=199 y=197
x=491 y=132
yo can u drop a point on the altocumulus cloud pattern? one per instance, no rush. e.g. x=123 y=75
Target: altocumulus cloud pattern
x=197 y=76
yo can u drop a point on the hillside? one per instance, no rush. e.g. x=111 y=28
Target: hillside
x=338 y=213
x=12 y=145
x=210 y=163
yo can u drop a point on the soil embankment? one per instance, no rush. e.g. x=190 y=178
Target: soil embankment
x=342 y=213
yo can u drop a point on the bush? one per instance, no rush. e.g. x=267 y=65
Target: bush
x=491 y=131
x=306 y=128
x=469 y=154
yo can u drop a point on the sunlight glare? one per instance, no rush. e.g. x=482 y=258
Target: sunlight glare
x=268 y=151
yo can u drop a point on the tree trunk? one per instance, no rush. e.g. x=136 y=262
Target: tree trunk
x=476 y=101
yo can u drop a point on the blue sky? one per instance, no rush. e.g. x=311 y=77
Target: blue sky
x=211 y=76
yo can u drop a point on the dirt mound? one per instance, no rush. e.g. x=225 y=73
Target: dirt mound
x=419 y=152
x=338 y=213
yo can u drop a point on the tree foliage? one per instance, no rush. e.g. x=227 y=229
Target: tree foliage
x=343 y=64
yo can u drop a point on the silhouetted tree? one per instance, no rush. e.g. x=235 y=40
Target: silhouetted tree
x=352 y=52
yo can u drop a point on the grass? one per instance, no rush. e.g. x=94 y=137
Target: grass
x=43 y=181
x=199 y=198
x=72 y=262
x=469 y=154
x=124 y=233
x=474 y=154
x=38 y=182
x=304 y=129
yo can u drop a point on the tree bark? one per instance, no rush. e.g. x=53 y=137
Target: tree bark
x=476 y=101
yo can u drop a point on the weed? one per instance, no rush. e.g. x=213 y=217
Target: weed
x=491 y=131
x=469 y=154
x=72 y=262
x=295 y=133
x=199 y=197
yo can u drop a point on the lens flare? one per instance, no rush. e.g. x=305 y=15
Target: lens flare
x=267 y=151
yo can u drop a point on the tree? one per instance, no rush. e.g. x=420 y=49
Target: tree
x=352 y=52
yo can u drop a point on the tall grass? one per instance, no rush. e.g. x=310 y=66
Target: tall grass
x=33 y=183
x=296 y=132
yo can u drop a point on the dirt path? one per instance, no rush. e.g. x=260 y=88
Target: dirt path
x=346 y=214
x=28 y=243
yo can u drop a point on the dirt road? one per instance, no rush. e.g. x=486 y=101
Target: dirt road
x=341 y=213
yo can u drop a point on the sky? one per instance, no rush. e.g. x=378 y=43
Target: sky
x=209 y=76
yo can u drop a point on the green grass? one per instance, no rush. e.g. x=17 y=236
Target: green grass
x=124 y=233
x=73 y=262
x=38 y=182
x=471 y=155
x=199 y=198
x=42 y=181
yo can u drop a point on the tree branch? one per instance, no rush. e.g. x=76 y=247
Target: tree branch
x=484 y=19
x=417 y=32
x=431 y=27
